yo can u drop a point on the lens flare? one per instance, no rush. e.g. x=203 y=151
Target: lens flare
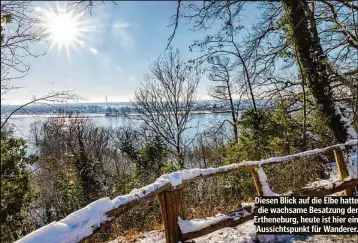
x=64 y=28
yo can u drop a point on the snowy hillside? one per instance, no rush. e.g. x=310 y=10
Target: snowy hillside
x=245 y=233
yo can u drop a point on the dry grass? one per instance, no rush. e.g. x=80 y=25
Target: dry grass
x=293 y=175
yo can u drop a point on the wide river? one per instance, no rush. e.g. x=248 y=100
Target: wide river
x=199 y=123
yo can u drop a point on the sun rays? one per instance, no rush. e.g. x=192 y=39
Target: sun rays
x=65 y=28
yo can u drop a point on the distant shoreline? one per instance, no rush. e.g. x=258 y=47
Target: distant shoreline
x=94 y=115
x=53 y=116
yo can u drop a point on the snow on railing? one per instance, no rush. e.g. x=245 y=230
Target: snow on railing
x=193 y=225
x=188 y=226
x=82 y=223
x=194 y=228
x=264 y=184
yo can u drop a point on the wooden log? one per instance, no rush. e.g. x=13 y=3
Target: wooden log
x=257 y=182
x=172 y=207
x=233 y=219
x=342 y=169
x=325 y=190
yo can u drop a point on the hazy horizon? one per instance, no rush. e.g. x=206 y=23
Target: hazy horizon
x=103 y=102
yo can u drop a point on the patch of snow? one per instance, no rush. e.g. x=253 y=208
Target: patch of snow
x=153 y=237
x=265 y=186
x=352 y=134
x=252 y=205
x=139 y=193
x=193 y=225
x=72 y=228
x=332 y=171
x=244 y=233
x=352 y=165
x=353 y=142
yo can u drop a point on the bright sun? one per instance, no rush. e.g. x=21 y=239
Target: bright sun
x=64 y=28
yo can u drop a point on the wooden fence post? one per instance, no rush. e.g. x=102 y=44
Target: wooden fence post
x=172 y=206
x=258 y=185
x=342 y=169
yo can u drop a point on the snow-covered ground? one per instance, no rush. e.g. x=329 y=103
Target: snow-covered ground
x=244 y=233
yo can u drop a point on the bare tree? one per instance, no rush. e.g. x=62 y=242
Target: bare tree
x=227 y=41
x=294 y=22
x=165 y=100
x=224 y=87
x=21 y=30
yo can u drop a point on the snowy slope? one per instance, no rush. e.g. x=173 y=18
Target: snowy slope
x=245 y=233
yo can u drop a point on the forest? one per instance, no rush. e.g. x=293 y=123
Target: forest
x=296 y=65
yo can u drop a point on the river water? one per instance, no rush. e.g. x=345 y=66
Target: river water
x=200 y=122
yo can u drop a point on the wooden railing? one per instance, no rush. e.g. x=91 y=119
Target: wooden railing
x=85 y=222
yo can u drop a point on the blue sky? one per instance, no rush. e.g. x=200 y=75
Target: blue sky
x=114 y=57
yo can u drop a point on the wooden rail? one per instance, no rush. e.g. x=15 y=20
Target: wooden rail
x=241 y=216
x=172 y=207
x=342 y=169
x=231 y=219
x=169 y=189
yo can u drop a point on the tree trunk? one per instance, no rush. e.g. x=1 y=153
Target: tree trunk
x=234 y=118
x=314 y=63
x=304 y=122
x=180 y=157
x=304 y=105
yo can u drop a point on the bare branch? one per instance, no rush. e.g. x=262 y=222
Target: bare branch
x=176 y=22
x=52 y=97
